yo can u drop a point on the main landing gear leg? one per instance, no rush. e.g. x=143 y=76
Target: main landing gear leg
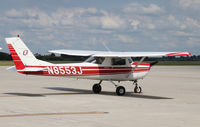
x=97 y=87
x=137 y=88
x=120 y=90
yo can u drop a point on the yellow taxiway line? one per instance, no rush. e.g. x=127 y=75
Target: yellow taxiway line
x=47 y=114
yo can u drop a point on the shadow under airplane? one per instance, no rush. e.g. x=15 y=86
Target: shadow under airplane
x=74 y=91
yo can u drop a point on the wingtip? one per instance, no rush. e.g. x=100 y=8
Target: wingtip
x=179 y=54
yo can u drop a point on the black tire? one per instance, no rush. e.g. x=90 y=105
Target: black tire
x=120 y=91
x=96 y=88
x=137 y=89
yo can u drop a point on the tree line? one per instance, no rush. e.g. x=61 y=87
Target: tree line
x=53 y=57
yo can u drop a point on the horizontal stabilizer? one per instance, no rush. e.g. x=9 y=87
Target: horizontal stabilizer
x=33 y=69
x=12 y=68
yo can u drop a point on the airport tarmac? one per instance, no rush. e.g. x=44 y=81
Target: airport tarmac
x=171 y=98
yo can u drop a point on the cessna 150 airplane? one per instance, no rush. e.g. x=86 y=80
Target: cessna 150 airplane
x=101 y=65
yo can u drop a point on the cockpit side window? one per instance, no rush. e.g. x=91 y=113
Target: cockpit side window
x=118 y=61
x=90 y=60
x=97 y=60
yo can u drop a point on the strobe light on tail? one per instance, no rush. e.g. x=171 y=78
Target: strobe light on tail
x=101 y=65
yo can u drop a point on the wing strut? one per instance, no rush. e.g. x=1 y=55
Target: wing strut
x=142 y=59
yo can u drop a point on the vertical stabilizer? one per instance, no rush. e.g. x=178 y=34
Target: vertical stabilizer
x=21 y=55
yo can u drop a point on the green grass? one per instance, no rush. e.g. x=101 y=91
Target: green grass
x=6 y=63
x=161 y=63
x=178 y=63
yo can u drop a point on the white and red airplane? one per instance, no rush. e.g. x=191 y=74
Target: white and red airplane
x=101 y=65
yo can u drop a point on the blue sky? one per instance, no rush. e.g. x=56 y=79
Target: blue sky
x=122 y=25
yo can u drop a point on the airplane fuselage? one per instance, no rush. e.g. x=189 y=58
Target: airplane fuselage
x=94 y=71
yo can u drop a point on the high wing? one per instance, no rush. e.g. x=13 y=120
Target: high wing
x=118 y=54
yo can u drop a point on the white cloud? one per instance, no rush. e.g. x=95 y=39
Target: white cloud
x=193 y=42
x=81 y=17
x=192 y=4
x=151 y=26
x=106 y=20
x=62 y=16
x=135 y=24
x=63 y=44
x=152 y=9
x=112 y=22
x=127 y=39
x=182 y=33
x=32 y=17
x=141 y=9
x=176 y=22
x=92 y=40
x=14 y=13
x=192 y=22
x=185 y=23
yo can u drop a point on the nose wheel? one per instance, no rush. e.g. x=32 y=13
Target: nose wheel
x=137 y=88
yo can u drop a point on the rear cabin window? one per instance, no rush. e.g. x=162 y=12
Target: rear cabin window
x=118 y=61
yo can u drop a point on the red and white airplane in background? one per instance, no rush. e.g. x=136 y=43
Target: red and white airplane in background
x=101 y=65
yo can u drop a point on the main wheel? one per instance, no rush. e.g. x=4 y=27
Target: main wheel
x=96 y=88
x=137 y=89
x=120 y=90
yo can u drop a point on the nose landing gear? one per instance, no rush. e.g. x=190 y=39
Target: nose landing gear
x=137 y=88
